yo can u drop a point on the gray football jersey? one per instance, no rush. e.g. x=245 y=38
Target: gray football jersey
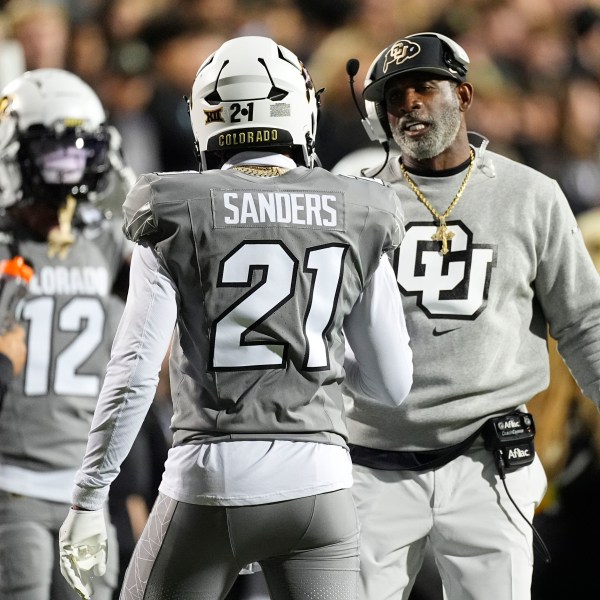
x=266 y=271
x=70 y=317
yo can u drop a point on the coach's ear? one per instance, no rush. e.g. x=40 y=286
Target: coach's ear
x=465 y=95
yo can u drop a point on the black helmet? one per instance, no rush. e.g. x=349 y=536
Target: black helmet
x=421 y=52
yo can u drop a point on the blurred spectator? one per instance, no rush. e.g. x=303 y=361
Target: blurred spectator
x=340 y=130
x=585 y=25
x=497 y=115
x=219 y=15
x=383 y=20
x=278 y=19
x=580 y=174
x=88 y=51
x=320 y=19
x=539 y=140
x=127 y=88
x=548 y=57
x=504 y=32
x=125 y=19
x=42 y=29
x=178 y=47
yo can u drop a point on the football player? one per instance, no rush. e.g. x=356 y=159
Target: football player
x=259 y=267
x=58 y=161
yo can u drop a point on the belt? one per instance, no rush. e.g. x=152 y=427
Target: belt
x=395 y=460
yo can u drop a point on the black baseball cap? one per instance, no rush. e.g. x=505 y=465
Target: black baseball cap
x=421 y=52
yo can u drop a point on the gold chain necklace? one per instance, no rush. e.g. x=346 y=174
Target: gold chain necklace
x=442 y=233
x=261 y=170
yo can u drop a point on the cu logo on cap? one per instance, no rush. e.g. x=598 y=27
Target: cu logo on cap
x=399 y=52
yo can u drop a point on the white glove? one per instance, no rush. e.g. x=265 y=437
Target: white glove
x=82 y=543
x=250 y=568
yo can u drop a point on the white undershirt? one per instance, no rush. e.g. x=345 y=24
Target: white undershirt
x=254 y=472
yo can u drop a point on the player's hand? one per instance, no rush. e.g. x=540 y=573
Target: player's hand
x=82 y=543
x=12 y=344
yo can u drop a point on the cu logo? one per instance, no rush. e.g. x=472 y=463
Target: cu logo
x=454 y=285
x=399 y=52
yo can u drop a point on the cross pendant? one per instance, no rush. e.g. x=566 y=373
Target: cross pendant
x=443 y=234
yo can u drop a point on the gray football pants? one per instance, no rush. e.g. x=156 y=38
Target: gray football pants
x=307 y=548
x=29 y=562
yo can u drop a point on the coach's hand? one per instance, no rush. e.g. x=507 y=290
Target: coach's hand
x=82 y=542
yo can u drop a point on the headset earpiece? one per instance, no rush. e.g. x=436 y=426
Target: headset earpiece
x=381 y=113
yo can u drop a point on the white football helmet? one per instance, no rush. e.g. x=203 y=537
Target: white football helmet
x=53 y=139
x=253 y=94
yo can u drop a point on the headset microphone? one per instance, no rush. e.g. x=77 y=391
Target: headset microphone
x=352 y=69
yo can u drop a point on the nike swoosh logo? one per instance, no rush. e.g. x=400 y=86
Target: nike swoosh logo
x=444 y=331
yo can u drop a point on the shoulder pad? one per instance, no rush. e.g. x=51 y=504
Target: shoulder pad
x=140 y=227
x=139 y=222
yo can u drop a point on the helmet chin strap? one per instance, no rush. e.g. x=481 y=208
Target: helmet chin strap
x=60 y=239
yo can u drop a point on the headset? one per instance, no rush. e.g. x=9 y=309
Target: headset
x=370 y=121
x=455 y=62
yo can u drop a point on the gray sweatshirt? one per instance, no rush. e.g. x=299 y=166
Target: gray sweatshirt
x=478 y=316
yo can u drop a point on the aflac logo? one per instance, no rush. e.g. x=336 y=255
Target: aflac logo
x=509 y=424
x=518 y=453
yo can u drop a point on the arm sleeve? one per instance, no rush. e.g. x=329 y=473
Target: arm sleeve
x=139 y=347
x=379 y=361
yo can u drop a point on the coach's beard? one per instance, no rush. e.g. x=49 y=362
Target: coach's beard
x=440 y=136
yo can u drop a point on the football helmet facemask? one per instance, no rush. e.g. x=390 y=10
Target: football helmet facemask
x=253 y=94
x=54 y=141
